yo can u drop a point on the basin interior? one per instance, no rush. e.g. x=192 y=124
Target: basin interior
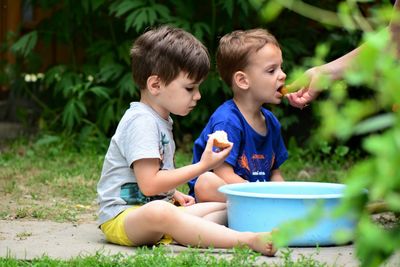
x=285 y=190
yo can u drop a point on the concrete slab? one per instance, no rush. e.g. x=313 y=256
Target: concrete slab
x=31 y=239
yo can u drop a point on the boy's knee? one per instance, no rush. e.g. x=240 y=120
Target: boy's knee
x=202 y=184
x=207 y=185
x=159 y=211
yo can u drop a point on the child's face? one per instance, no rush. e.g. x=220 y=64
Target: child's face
x=180 y=96
x=265 y=75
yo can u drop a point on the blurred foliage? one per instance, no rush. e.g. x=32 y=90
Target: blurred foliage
x=378 y=121
x=373 y=117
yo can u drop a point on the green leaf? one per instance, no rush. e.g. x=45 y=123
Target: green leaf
x=162 y=10
x=96 y=4
x=228 y=6
x=200 y=30
x=110 y=72
x=70 y=115
x=325 y=147
x=100 y=91
x=378 y=40
x=342 y=150
x=151 y=16
x=136 y=20
x=244 y=5
x=91 y=5
x=322 y=50
x=106 y=116
x=375 y=123
x=122 y=52
x=47 y=140
x=67 y=84
x=53 y=75
x=25 y=45
x=345 y=16
x=271 y=11
x=338 y=91
x=125 y=6
x=82 y=108
x=393 y=200
x=126 y=85
x=99 y=48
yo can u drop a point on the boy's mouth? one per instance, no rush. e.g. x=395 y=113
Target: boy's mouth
x=283 y=90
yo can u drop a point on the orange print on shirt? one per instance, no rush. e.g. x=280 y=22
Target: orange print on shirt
x=258 y=156
x=243 y=162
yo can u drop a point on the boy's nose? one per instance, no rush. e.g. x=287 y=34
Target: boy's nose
x=197 y=95
x=283 y=75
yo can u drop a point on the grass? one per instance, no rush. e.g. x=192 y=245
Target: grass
x=313 y=167
x=159 y=256
x=50 y=181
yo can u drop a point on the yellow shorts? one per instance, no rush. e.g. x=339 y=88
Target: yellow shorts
x=114 y=230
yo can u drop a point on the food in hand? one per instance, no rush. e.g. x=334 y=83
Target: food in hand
x=283 y=90
x=220 y=139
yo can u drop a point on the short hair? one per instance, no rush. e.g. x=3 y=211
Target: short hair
x=166 y=51
x=235 y=48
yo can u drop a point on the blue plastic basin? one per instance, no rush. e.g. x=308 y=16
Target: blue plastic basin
x=263 y=206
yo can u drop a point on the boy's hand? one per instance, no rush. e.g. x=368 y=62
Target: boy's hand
x=183 y=199
x=212 y=159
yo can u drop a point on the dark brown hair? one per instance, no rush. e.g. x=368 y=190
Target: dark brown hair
x=235 y=47
x=166 y=51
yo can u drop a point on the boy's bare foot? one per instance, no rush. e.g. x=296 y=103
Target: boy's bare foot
x=262 y=242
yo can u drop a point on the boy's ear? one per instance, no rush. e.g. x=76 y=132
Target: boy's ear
x=240 y=79
x=154 y=84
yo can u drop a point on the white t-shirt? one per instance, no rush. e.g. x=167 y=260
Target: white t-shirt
x=141 y=133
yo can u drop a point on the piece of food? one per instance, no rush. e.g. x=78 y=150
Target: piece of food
x=283 y=90
x=220 y=139
x=395 y=107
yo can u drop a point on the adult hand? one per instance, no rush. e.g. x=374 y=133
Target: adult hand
x=307 y=88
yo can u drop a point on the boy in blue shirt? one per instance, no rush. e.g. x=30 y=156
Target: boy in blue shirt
x=250 y=63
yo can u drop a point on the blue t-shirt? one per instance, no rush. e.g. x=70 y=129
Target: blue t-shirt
x=253 y=156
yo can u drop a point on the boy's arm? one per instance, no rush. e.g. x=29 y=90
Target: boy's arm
x=276 y=176
x=226 y=173
x=153 y=181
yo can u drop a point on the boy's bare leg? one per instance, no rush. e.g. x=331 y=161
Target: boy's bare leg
x=146 y=225
x=212 y=211
x=206 y=188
